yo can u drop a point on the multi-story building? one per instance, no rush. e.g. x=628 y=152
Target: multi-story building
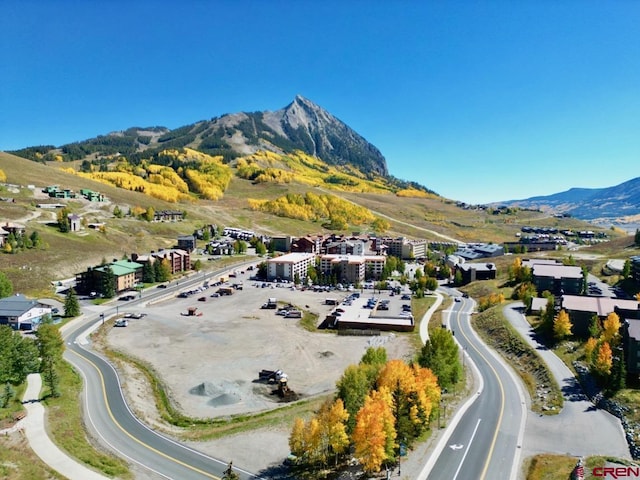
x=346 y=247
x=286 y=267
x=308 y=244
x=127 y=275
x=557 y=279
x=404 y=248
x=179 y=260
x=352 y=268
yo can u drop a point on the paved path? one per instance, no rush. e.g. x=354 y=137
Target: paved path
x=580 y=429
x=41 y=444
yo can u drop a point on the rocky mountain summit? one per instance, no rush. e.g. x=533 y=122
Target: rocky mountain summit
x=301 y=125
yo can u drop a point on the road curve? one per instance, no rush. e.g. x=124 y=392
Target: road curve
x=109 y=416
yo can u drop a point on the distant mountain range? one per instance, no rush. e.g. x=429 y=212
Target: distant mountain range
x=301 y=125
x=589 y=203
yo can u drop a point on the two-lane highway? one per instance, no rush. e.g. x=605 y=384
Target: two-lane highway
x=485 y=442
x=111 y=418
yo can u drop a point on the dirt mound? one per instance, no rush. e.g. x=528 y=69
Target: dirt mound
x=225 y=399
x=221 y=393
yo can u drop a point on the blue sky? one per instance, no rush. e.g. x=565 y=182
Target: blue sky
x=480 y=101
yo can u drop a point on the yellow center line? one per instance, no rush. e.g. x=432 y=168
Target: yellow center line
x=149 y=447
x=500 y=416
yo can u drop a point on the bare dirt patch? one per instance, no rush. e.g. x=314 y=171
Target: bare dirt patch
x=210 y=363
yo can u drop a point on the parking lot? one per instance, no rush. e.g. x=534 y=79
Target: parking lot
x=209 y=349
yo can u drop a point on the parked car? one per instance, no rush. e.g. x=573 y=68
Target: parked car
x=121 y=322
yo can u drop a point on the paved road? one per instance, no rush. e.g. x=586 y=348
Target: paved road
x=485 y=437
x=109 y=416
x=580 y=429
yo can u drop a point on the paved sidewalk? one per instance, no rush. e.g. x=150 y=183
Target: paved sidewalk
x=580 y=429
x=41 y=444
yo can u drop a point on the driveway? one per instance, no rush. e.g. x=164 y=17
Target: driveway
x=580 y=429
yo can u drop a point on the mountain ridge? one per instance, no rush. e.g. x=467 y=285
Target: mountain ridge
x=622 y=200
x=301 y=125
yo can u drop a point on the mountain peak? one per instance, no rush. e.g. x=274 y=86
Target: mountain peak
x=301 y=125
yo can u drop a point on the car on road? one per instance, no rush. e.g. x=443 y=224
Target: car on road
x=457 y=299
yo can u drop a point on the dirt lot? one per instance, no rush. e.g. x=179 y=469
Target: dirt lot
x=210 y=363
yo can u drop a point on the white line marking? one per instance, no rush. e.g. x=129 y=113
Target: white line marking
x=467 y=450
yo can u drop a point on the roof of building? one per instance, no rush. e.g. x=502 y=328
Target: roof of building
x=294 y=257
x=336 y=257
x=478 y=267
x=530 y=262
x=122 y=267
x=633 y=328
x=538 y=304
x=556 y=271
x=17 y=305
x=602 y=306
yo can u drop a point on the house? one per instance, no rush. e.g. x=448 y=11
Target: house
x=3 y=236
x=91 y=195
x=168 y=216
x=21 y=313
x=219 y=248
x=476 y=271
x=187 y=243
x=287 y=267
x=16 y=228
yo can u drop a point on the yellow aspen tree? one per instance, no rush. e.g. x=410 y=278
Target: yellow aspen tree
x=296 y=438
x=562 y=326
x=427 y=385
x=374 y=435
x=590 y=348
x=604 y=359
x=313 y=439
x=611 y=327
x=335 y=426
